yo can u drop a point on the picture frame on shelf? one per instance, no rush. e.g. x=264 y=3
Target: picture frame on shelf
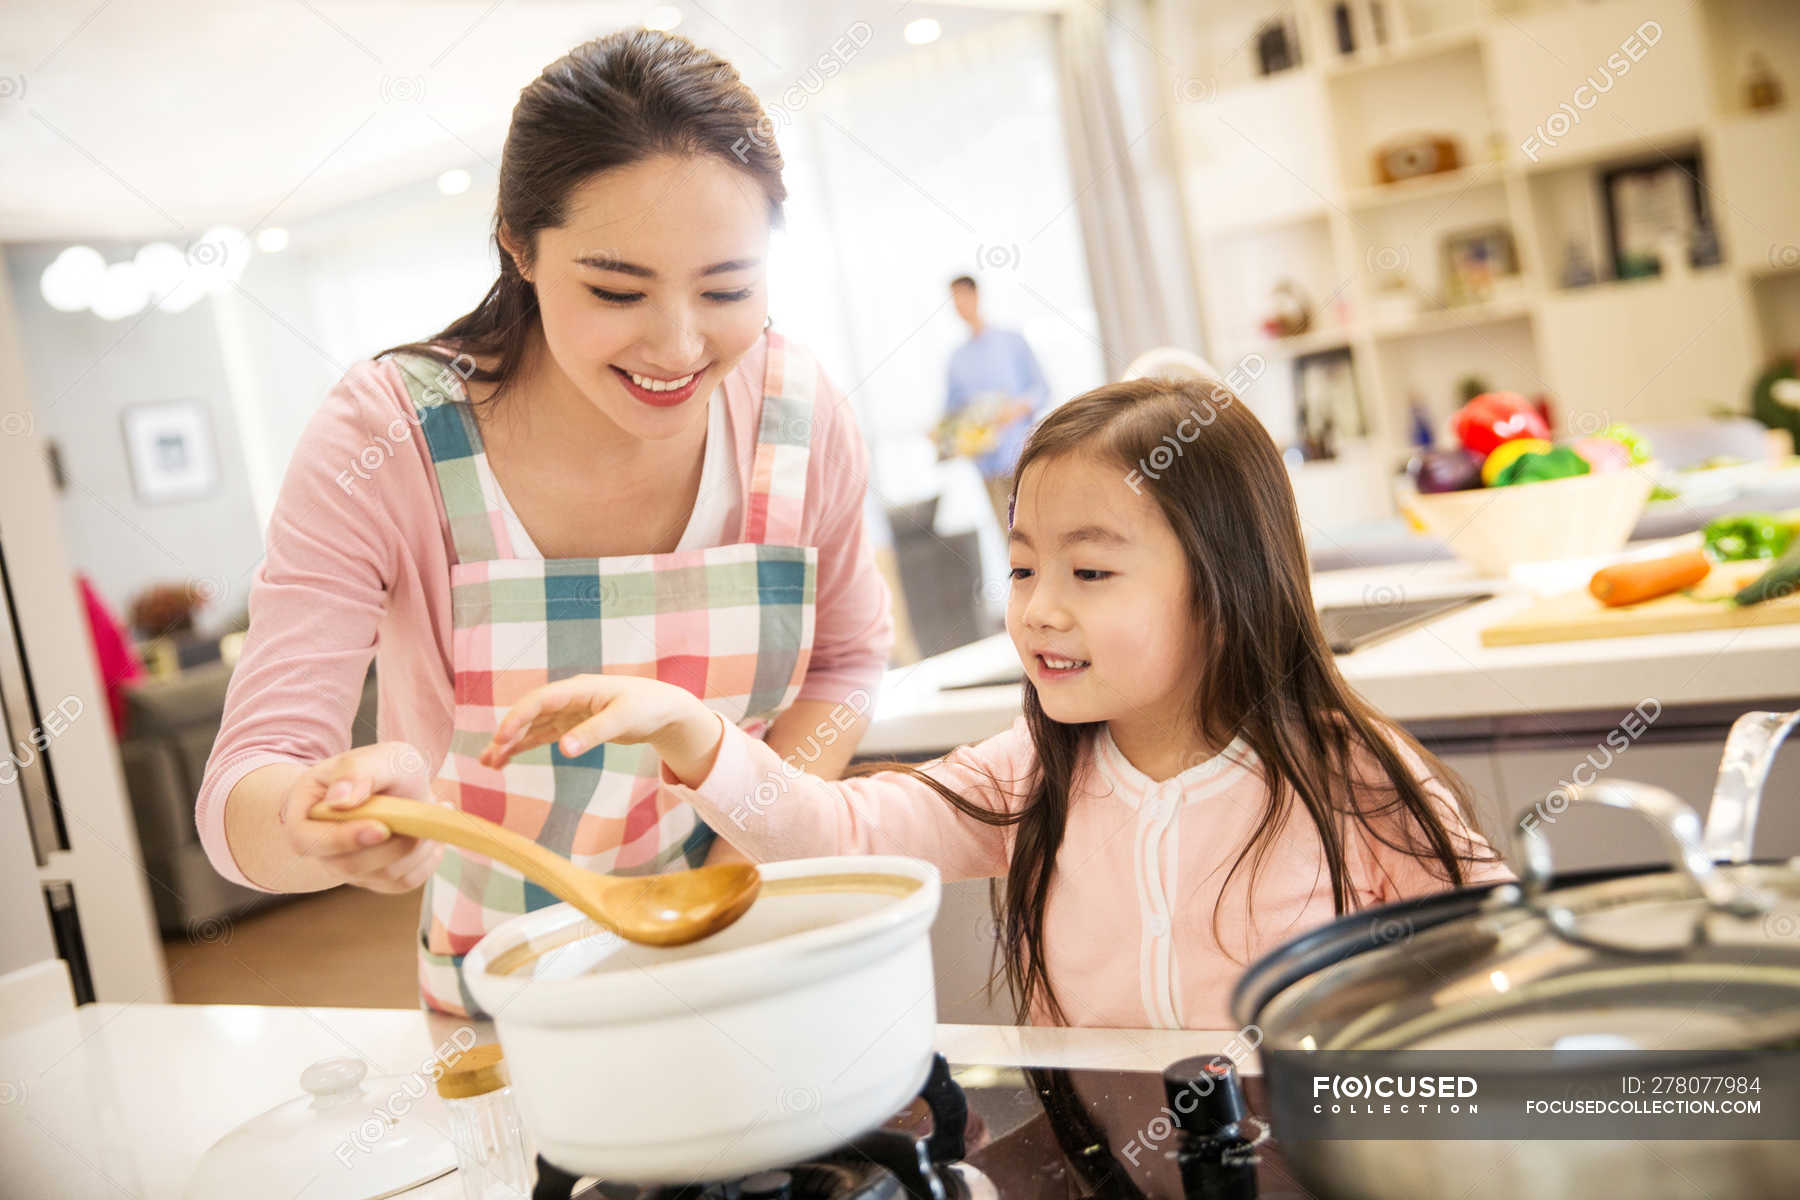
x=169 y=446
x=1277 y=46
x=1327 y=404
x=1476 y=261
x=1649 y=206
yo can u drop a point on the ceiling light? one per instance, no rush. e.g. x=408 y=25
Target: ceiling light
x=162 y=268
x=923 y=31
x=121 y=293
x=71 y=280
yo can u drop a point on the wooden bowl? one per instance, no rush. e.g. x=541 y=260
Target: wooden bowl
x=1494 y=528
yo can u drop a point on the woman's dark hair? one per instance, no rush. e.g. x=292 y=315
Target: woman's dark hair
x=610 y=102
x=1267 y=674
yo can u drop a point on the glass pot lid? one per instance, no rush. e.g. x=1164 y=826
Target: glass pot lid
x=350 y=1136
x=1694 y=957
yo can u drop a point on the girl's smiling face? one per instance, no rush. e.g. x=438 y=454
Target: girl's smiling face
x=1099 y=579
x=654 y=287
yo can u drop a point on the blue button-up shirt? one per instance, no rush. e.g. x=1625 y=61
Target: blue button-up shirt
x=997 y=360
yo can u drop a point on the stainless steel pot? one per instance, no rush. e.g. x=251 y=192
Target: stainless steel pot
x=1701 y=957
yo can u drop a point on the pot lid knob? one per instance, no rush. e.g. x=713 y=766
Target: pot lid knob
x=332 y=1079
x=1205 y=1095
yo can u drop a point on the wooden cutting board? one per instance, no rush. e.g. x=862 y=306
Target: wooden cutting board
x=1577 y=616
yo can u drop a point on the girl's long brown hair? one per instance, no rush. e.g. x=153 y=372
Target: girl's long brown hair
x=1265 y=672
x=610 y=102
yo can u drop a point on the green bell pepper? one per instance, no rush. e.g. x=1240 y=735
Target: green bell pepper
x=1558 y=462
x=1740 y=536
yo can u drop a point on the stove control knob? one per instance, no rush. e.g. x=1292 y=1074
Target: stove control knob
x=1205 y=1095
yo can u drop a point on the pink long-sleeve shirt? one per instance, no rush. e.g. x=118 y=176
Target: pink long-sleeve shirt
x=358 y=561
x=1129 y=936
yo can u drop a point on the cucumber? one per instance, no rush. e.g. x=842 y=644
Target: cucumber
x=1781 y=579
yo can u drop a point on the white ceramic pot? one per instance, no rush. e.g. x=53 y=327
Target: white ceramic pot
x=807 y=1022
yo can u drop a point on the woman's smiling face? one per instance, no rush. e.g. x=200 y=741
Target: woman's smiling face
x=1099 y=580
x=654 y=287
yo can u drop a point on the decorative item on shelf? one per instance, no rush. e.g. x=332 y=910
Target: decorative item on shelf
x=1474 y=260
x=1289 y=312
x=1422 y=435
x=1647 y=203
x=1343 y=27
x=1775 y=396
x=1327 y=402
x=1415 y=156
x=1394 y=301
x=1762 y=90
x=1367 y=25
x=169 y=446
x=1469 y=387
x=1578 y=266
x=1277 y=46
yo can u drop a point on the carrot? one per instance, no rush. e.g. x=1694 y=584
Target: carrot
x=1632 y=582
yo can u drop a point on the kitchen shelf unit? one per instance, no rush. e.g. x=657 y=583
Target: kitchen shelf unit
x=1277 y=182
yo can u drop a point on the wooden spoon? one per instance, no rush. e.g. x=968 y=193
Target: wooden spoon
x=657 y=910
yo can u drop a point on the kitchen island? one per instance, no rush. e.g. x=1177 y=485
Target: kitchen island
x=1437 y=676
x=121 y=1100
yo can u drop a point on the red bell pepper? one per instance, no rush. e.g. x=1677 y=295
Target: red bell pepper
x=1495 y=417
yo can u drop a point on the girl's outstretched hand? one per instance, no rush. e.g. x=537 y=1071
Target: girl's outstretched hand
x=583 y=711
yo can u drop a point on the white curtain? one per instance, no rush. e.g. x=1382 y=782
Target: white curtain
x=1137 y=260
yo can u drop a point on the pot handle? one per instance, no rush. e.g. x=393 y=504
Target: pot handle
x=1677 y=824
x=1743 y=770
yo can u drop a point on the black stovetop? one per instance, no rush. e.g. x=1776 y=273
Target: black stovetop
x=1029 y=1134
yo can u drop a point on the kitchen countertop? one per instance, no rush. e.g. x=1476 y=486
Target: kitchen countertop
x=121 y=1100
x=1437 y=671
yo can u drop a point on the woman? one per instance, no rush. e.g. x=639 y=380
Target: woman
x=611 y=465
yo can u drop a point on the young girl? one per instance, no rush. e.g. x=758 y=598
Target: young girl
x=1192 y=782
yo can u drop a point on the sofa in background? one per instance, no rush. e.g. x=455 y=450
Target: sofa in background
x=172 y=724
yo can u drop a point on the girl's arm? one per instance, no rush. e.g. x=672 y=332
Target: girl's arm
x=774 y=810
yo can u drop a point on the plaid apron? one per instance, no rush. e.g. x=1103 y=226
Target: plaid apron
x=731 y=624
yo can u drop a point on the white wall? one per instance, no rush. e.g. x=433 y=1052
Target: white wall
x=81 y=373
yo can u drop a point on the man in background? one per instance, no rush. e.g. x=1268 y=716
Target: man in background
x=995 y=392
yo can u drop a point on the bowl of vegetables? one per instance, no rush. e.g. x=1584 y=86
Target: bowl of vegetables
x=1507 y=494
